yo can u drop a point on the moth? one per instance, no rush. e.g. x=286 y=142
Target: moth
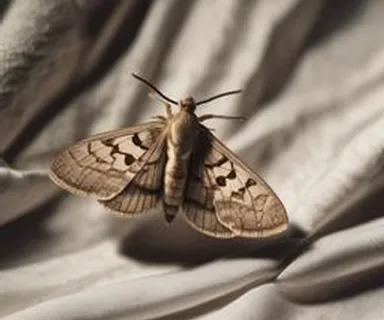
x=177 y=162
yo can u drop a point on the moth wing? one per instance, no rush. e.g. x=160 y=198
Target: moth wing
x=199 y=206
x=104 y=164
x=243 y=202
x=145 y=189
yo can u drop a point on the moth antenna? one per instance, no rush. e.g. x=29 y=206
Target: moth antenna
x=218 y=96
x=154 y=88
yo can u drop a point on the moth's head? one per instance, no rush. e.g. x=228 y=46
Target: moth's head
x=188 y=104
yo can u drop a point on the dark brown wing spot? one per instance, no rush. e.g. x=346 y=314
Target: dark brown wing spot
x=138 y=142
x=218 y=163
x=237 y=195
x=250 y=182
x=221 y=161
x=108 y=142
x=241 y=191
x=115 y=149
x=232 y=175
x=220 y=180
x=129 y=159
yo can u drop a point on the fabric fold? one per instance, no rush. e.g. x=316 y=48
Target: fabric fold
x=312 y=78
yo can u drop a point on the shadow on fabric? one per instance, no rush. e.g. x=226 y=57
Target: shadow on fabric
x=344 y=288
x=154 y=242
x=22 y=236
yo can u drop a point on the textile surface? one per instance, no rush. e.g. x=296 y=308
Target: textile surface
x=312 y=72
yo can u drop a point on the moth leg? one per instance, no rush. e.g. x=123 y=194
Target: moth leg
x=217 y=116
x=168 y=110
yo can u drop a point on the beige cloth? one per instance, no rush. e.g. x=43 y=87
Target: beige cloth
x=312 y=71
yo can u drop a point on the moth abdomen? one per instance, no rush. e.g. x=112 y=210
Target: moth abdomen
x=175 y=177
x=173 y=193
x=175 y=174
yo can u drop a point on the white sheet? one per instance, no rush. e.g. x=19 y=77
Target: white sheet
x=312 y=73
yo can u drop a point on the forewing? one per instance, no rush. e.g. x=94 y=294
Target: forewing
x=104 y=164
x=145 y=189
x=243 y=204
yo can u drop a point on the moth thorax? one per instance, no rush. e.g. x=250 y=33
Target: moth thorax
x=183 y=130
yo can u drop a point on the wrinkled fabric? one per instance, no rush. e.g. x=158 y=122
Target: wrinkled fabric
x=312 y=74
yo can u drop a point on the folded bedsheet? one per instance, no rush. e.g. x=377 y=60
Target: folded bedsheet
x=312 y=72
